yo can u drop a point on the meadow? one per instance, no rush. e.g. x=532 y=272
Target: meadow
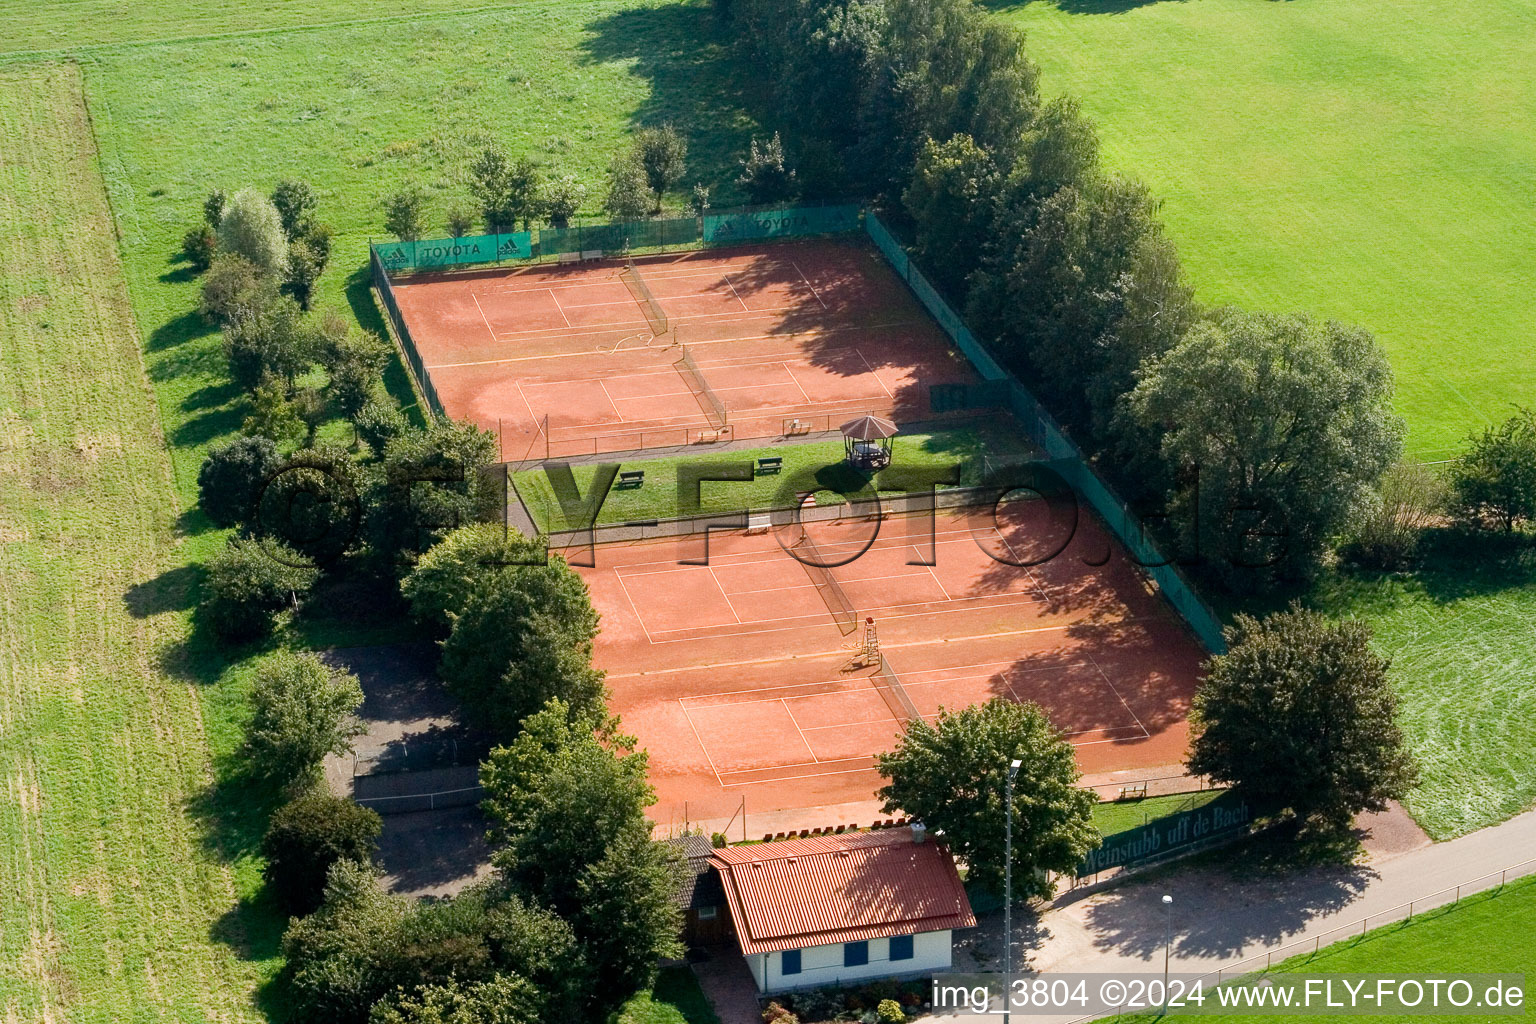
x=112 y=895
x=1372 y=163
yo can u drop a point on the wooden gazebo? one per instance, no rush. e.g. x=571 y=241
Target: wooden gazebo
x=867 y=442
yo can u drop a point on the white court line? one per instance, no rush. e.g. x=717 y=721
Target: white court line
x=1028 y=570
x=1116 y=691
x=793 y=721
x=603 y=384
x=792 y=778
x=808 y=283
x=942 y=589
x=487 y=319
x=795 y=379
x=723 y=594
x=636 y=609
x=689 y=719
x=734 y=292
x=556 y=298
x=537 y=424
x=872 y=372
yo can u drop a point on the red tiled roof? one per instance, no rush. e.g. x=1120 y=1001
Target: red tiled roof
x=864 y=885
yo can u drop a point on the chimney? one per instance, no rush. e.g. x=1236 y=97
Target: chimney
x=919 y=832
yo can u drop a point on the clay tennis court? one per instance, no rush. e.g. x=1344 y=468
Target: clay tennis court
x=734 y=675
x=567 y=360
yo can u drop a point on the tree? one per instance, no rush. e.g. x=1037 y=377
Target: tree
x=305 y=837
x=295 y=202
x=507 y=190
x=405 y=213
x=1387 y=534
x=213 y=207
x=561 y=198
x=354 y=362
x=629 y=194
x=560 y=796
x=1300 y=714
x=199 y=245
x=313 y=505
x=428 y=483
x=234 y=286
x=698 y=200
x=232 y=476
x=304 y=711
x=764 y=175
x=380 y=421
x=630 y=919
x=663 y=153
x=1288 y=425
x=1495 y=481
x=442 y=581
x=950 y=199
x=270 y=341
x=504 y=999
x=524 y=637
x=307 y=256
x=248 y=583
x=275 y=417
x=952 y=776
x=252 y=227
x=342 y=959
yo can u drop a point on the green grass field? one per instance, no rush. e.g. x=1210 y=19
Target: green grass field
x=113 y=903
x=1116 y=816
x=1459 y=634
x=1484 y=934
x=1369 y=162
x=657 y=497
x=675 y=999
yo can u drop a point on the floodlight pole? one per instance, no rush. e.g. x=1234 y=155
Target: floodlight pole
x=1013 y=771
x=1167 y=944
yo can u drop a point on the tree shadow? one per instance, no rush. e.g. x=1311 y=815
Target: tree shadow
x=174 y=590
x=397 y=381
x=173 y=332
x=695 y=83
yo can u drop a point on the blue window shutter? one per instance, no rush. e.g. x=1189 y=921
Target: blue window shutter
x=855 y=954
x=901 y=947
x=789 y=962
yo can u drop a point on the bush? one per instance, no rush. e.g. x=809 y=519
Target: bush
x=379 y=422
x=213 y=207
x=890 y=1012
x=275 y=418
x=230 y=481
x=503 y=999
x=307 y=257
x=663 y=153
x=198 y=246
x=775 y=1013
x=248 y=583
x=233 y=285
x=1386 y=536
x=1495 y=482
x=252 y=227
x=461 y=220
x=305 y=837
x=563 y=196
x=304 y=711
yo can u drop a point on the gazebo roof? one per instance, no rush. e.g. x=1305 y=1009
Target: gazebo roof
x=869 y=428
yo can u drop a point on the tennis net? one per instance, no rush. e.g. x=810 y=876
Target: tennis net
x=642 y=294
x=894 y=694
x=694 y=377
x=809 y=555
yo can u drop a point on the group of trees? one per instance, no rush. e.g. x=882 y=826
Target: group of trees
x=581 y=908
x=276 y=235
x=933 y=106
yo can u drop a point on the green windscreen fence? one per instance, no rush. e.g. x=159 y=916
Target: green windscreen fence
x=780 y=222
x=609 y=238
x=1063 y=455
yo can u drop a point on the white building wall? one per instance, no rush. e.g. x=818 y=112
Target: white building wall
x=823 y=965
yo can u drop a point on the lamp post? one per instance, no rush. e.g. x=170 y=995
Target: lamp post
x=1013 y=771
x=1167 y=944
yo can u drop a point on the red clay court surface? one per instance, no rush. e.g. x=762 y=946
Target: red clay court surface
x=731 y=674
x=562 y=361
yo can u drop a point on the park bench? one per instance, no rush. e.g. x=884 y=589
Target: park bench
x=592 y=254
x=570 y=257
x=771 y=464
x=631 y=479
x=1136 y=792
